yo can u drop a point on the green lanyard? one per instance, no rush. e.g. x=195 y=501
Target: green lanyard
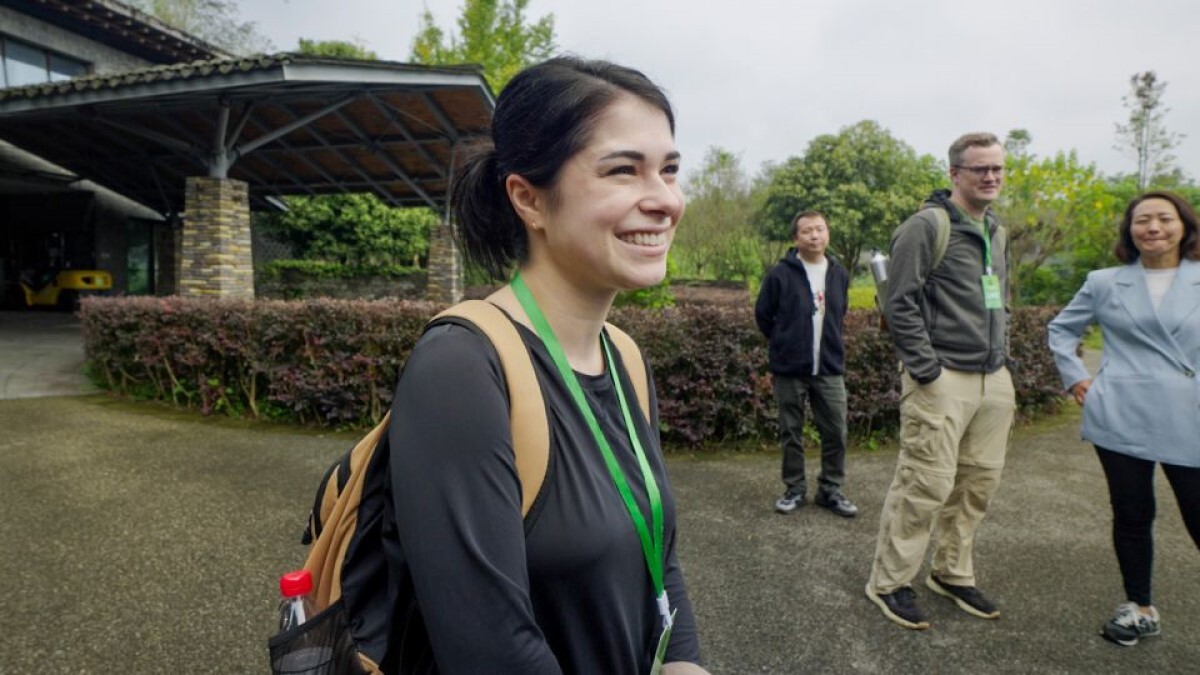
x=987 y=245
x=652 y=543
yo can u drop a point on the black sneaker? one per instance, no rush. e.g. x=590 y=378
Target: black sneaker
x=789 y=502
x=1129 y=625
x=836 y=502
x=900 y=606
x=968 y=598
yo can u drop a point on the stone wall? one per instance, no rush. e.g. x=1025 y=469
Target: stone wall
x=293 y=285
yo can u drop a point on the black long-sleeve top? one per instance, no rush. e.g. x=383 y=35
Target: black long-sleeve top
x=564 y=590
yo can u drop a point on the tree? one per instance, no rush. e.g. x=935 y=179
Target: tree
x=1145 y=136
x=357 y=230
x=718 y=238
x=214 y=21
x=492 y=33
x=1060 y=215
x=339 y=49
x=863 y=179
x=1017 y=142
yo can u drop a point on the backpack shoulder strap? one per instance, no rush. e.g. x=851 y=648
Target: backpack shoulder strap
x=527 y=408
x=942 y=236
x=635 y=365
x=340 y=497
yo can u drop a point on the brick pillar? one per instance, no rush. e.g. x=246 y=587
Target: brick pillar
x=444 y=282
x=215 y=258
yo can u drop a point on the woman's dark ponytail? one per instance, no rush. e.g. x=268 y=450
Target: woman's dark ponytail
x=489 y=231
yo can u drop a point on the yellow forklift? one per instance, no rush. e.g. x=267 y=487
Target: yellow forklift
x=64 y=288
x=57 y=285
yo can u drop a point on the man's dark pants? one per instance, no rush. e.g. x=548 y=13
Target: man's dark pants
x=827 y=396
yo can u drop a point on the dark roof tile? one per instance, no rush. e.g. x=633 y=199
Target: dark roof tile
x=199 y=69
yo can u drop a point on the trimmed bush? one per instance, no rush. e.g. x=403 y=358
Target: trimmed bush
x=325 y=362
x=1039 y=389
x=335 y=362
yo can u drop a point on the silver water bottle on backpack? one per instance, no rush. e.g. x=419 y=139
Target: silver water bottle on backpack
x=879 y=265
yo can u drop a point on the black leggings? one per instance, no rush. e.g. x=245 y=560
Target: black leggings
x=1131 y=492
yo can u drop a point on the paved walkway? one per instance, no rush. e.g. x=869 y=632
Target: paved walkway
x=143 y=540
x=41 y=354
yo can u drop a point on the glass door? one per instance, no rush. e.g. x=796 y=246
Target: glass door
x=139 y=257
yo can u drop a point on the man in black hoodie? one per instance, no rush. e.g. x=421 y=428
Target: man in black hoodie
x=800 y=308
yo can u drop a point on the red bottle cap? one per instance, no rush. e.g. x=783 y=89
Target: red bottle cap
x=296 y=583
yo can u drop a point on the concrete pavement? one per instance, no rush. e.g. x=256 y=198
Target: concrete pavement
x=139 y=539
x=41 y=354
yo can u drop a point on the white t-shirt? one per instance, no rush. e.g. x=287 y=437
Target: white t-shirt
x=1158 y=282
x=816 y=281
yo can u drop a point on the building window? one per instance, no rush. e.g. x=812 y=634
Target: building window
x=63 y=68
x=26 y=64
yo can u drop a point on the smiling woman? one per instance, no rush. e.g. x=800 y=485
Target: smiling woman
x=1140 y=408
x=577 y=190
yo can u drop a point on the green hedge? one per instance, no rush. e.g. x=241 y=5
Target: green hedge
x=324 y=362
x=334 y=362
x=327 y=269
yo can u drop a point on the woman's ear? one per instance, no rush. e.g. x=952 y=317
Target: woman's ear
x=526 y=199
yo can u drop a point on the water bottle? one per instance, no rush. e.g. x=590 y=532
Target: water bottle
x=296 y=607
x=879 y=264
x=306 y=651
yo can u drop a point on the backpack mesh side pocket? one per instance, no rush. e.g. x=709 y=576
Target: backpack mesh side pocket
x=320 y=646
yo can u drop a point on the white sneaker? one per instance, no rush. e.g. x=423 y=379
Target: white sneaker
x=1129 y=625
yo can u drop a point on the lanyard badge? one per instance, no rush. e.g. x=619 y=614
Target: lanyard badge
x=651 y=540
x=993 y=297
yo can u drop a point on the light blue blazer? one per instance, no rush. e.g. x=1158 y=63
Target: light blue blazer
x=1145 y=399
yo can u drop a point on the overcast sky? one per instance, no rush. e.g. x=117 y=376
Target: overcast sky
x=762 y=78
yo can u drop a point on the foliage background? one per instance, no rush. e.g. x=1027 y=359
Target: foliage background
x=863 y=179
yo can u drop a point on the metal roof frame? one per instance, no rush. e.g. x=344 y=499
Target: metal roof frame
x=285 y=124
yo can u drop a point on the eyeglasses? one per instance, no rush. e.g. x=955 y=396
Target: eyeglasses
x=982 y=171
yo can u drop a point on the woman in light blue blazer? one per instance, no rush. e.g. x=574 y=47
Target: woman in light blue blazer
x=1143 y=406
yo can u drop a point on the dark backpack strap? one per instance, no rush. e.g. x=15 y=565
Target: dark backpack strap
x=527 y=408
x=332 y=485
x=316 y=517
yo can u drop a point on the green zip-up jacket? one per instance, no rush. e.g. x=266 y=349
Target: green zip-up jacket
x=936 y=315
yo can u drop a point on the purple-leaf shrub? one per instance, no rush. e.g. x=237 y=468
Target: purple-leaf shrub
x=335 y=362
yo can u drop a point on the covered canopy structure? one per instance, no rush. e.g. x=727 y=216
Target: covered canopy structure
x=209 y=140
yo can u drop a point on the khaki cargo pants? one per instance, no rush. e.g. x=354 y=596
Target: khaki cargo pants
x=953 y=437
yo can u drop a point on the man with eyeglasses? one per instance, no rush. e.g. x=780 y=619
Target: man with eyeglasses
x=945 y=308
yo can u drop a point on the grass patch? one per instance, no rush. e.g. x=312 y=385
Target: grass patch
x=862 y=297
